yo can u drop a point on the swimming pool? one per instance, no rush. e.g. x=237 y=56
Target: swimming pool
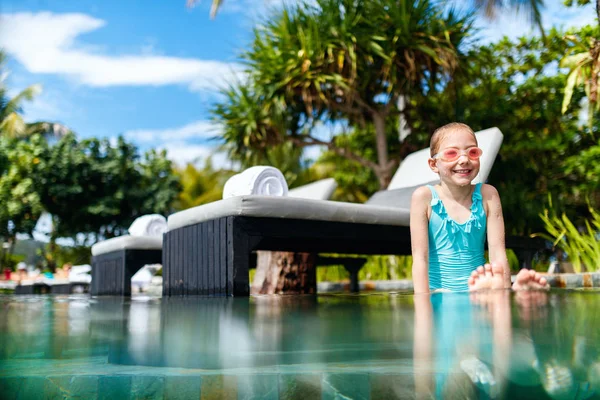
x=375 y=346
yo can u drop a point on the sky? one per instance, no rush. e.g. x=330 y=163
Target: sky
x=151 y=70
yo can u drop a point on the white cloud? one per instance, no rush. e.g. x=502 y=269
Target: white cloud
x=197 y=129
x=46 y=43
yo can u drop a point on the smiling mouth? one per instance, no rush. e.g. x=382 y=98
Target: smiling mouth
x=462 y=171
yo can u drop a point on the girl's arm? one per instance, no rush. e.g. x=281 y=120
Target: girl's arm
x=423 y=347
x=419 y=237
x=495 y=230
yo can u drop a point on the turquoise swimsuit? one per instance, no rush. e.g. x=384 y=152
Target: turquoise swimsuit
x=455 y=250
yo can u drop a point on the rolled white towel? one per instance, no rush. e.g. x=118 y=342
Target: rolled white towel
x=259 y=180
x=149 y=225
x=80 y=273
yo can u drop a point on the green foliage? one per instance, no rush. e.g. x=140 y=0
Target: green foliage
x=109 y=185
x=199 y=186
x=569 y=3
x=376 y=268
x=20 y=203
x=10 y=261
x=583 y=62
x=582 y=245
x=88 y=186
x=355 y=182
x=55 y=255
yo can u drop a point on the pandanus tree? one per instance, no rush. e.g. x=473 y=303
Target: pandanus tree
x=343 y=61
x=337 y=62
x=253 y=136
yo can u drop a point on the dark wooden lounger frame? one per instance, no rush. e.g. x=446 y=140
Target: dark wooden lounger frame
x=112 y=272
x=212 y=258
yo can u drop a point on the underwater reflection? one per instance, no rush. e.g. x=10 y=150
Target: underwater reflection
x=221 y=333
x=499 y=344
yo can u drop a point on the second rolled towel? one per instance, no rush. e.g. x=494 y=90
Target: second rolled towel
x=259 y=180
x=148 y=225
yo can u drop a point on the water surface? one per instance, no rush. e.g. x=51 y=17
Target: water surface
x=376 y=346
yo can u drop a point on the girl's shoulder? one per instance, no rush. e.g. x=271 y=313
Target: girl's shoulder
x=489 y=193
x=422 y=193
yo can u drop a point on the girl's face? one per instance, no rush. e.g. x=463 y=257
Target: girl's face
x=461 y=171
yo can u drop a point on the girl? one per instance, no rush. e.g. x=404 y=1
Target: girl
x=449 y=222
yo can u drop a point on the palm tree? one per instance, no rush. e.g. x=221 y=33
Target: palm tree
x=12 y=124
x=492 y=8
x=329 y=61
x=216 y=4
x=584 y=70
x=584 y=66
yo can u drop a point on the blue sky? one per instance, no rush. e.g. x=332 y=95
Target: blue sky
x=151 y=70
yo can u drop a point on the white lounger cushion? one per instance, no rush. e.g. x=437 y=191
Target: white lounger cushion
x=414 y=169
x=290 y=207
x=127 y=243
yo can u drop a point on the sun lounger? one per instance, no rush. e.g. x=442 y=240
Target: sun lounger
x=51 y=286
x=116 y=260
x=207 y=249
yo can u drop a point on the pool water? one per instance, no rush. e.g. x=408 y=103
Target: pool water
x=376 y=346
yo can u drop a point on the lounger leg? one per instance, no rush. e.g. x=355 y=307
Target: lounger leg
x=353 y=267
x=238 y=261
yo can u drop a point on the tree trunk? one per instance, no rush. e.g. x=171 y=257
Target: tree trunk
x=382 y=150
x=279 y=272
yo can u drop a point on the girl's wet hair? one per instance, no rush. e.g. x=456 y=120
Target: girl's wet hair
x=444 y=131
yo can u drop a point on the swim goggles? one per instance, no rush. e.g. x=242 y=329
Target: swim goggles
x=454 y=154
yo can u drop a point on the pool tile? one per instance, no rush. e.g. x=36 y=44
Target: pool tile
x=182 y=387
x=72 y=387
x=392 y=386
x=114 y=387
x=353 y=386
x=217 y=387
x=259 y=386
x=299 y=386
x=22 y=388
x=147 y=387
